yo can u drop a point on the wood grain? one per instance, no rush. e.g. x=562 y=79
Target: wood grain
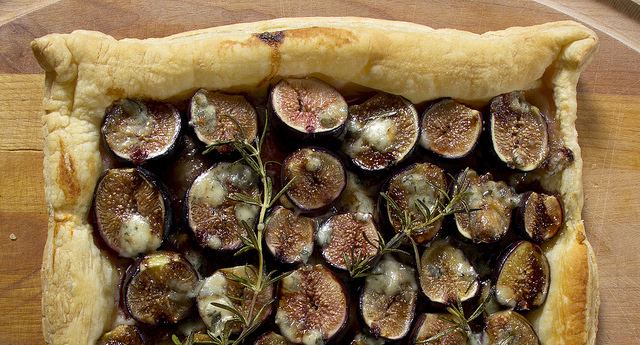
x=608 y=125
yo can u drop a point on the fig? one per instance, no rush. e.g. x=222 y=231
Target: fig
x=214 y=216
x=344 y=234
x=289 y=236
x=539 y=216
x=429 y=325
x=308 y=108
x=132 y=211
x=217 y=117
x=381 y=132
x=450 y=129
x=317 y=178
x=139 y=131
x=363 y=339
x=161 y=288
x=359 y=195
x=313 y=305
x=271 y=338
x=388 y=299
x=521 y=278
x=508 y=327
x=518 y=132
x=446 y=274
x=492 y=203
x=224 y=287
x=418 y=183
x=122 y=335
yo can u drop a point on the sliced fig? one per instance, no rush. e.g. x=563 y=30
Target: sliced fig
x=216 y=117
x=539 y=216
x=521 y=278
x=492 y=203
x=450 y=129
x=344 y=234
x=510 y=328
x=446 y=274
x=429 y=325
x=213 y=215
x=363 y=339
x=289 y=236
x=318 y=178
x=518 y=132
x=418 y=183
x=308 y=108
x=381 y=132
x=132 y=211
x=224 y=287
x=122 y=335
x=313 y=305
x=161 y=289
x=272 y=338
x=560 y=158
x=139 y=131
x=388 y=300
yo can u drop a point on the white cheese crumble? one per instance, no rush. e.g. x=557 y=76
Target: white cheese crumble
x=136 y=236
x=380 y=134
x=391 y=277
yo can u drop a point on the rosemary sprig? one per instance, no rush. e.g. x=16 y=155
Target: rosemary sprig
x=360 y=265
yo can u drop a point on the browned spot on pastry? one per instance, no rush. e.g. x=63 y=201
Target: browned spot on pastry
x=273 y=39
x=326 y=36
x=118 y=92
x=67 y=179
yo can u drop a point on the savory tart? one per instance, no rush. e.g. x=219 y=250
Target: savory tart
x=391 y=75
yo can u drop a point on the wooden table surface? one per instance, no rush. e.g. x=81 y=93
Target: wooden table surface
x=608 y=123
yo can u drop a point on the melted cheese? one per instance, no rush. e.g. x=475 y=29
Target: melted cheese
x=136 y=236
x=380 y=134
x=214 y=290
x=390 y=277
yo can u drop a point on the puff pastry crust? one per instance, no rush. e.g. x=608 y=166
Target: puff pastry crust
x=87 y=71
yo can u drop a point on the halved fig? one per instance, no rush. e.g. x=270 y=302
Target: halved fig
x=381 y=132
x=272 y=338
x=308 y=108
x=446 y=274
x=450 y=129
x=518 y=132
x=430 y=324
x=521 y=278
x=223 y=287
x=139 y=131
x=132 y=211
x=560 y=157
x=388 y=300
x=213 y=215
x=161 y=289
x=363 y=339
x=216 y=117
x=289 y=236
x=492 y=203
x=318 y=178
x=418 y=183
x=539 y=216
x=510 y=328
x=122 y=335
x=313 y=305
x=344 y=234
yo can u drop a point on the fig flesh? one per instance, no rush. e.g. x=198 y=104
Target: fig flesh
x=381 y=132
x=317 y=178
x=214 y=216
x=508 y=327
x=139 y=131
x=224 y=287
x=271 y=338
x=431 y=324
x=446 y=274
x=313 y=305
x=309 y=108
x=344 y=234
x=521 y=278
x=289 y=236
x=161 y=289
x=132 y=211
x=518 y=132
x=217 y=117
x=122 y=335
x=539 y=216
x=492 y=203
x=450 y=129
x=388 y=300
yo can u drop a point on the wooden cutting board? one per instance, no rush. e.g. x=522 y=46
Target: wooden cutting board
x=608 y=123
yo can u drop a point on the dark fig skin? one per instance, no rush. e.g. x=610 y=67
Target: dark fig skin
x=539 y=216
x=121 y=335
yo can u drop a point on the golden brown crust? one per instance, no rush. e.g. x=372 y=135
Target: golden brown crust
x=86 y=71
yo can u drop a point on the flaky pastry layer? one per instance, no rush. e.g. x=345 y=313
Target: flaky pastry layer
x=87 y=71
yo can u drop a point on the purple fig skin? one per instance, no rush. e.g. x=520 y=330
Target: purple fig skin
x=534 y=218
